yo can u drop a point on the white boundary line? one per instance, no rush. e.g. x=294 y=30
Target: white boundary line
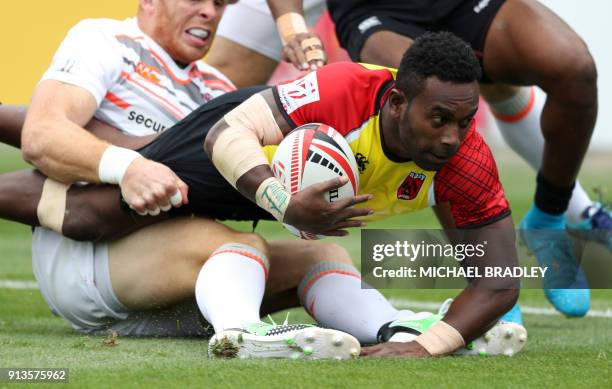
x=398 y=303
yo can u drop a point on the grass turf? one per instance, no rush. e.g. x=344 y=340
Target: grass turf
x=560 y=352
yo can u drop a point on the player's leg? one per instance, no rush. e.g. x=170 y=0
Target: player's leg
x=523 y=38
x=520 y=43
x=247 y=48
x=243 y=66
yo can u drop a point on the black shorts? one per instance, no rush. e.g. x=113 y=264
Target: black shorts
x=181 y=148
x=356 y=20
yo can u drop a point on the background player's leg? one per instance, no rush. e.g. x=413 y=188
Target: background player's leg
x=527 y=44
x=517 y=112
x=243 y=66
x=11 y=121
x=385 y=48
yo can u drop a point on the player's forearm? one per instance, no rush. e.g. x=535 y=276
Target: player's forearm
x=11 y=123
x=281 y=7
x=62 y=150
x=235 y=146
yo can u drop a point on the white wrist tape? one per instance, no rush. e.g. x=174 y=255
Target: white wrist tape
x=114 y=162
x=238 y=148
x=441 y=339
x=290 y=24
x=52 y=205
x=273 y=197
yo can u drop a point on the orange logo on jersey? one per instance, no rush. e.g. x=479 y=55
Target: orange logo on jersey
x=409 y=189
x=148 y=72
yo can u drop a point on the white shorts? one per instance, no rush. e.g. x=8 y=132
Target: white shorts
x=74 y=280
x=250 y=24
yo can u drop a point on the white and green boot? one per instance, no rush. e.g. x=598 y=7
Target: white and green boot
x=504 y=338
x=292 y=341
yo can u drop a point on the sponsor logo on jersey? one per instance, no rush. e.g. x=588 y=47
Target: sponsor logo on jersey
x=148 y=72
x=409 y=189
x=147 y=122
x=481 y=5
x=368 y=23
x=300 y=92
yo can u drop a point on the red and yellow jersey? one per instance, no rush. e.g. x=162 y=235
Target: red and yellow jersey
x=349 y=97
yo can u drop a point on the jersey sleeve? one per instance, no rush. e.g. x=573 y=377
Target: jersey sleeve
x=88 y=58
x=342 y=95
x=470 y=183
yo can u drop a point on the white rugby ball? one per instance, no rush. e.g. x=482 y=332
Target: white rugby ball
x=314 y=153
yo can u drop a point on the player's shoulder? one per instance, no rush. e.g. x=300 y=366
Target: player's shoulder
x=101 y=25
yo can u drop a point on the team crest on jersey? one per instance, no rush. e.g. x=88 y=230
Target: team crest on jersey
x=298 y=93
x=149 y=72
x=409 y=189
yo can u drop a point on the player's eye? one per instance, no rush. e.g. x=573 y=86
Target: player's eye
x=438 y=121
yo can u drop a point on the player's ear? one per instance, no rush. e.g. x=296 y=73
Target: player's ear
x=146 y=5
x=397 y=102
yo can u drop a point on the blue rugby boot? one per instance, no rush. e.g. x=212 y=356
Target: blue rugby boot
x=514 y=315
x=596 y=225
x=565 y=285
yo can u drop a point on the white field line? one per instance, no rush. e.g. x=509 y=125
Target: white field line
x=398 y=303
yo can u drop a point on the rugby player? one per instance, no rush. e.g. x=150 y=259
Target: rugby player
x=515 y=41
x=422 y=122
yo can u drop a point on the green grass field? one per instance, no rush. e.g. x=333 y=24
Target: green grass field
x=560 y=352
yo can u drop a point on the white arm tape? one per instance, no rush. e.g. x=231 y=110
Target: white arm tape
x=52 y=205
x=238 y=148
x=273 y=197
x=290 y=24
x=114 y=162
x=440 y=339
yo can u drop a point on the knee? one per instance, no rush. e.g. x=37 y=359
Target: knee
x=254 y=240
x=576 y=74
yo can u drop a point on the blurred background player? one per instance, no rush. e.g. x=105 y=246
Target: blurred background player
x=515 y=41
x=256 y=34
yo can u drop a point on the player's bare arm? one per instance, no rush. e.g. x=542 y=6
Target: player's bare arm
x=235 y=148
x=302 y=48
x=477 y=307
x=54 y=124
x=11 y=122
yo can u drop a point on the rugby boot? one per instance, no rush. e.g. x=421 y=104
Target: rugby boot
x=596 y=225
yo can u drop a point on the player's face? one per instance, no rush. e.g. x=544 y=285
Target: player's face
x=435 y=122
x=185 y=28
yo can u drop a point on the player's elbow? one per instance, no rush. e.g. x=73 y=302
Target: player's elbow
x=32 y=144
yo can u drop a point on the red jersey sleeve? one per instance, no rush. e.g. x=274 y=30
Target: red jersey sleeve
x=470 y=183
x=342 y=95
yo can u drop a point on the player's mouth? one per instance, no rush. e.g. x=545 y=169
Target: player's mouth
x=199 y=36
x=438 y=158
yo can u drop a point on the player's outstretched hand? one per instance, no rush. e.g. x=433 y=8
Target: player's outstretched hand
x=395 y=349
x=305 y=51
x=309 y=210
x=149 y=187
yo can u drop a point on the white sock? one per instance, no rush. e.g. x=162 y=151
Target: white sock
x=518 y=119
x=231 y=285
x=331 y=292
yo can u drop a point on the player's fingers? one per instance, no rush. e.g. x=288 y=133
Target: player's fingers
x=368 y=351
x=289 y=56
x=333 y=183
x=350 y=224
x=338 y=233
x=184 y=189
x=300 y=57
